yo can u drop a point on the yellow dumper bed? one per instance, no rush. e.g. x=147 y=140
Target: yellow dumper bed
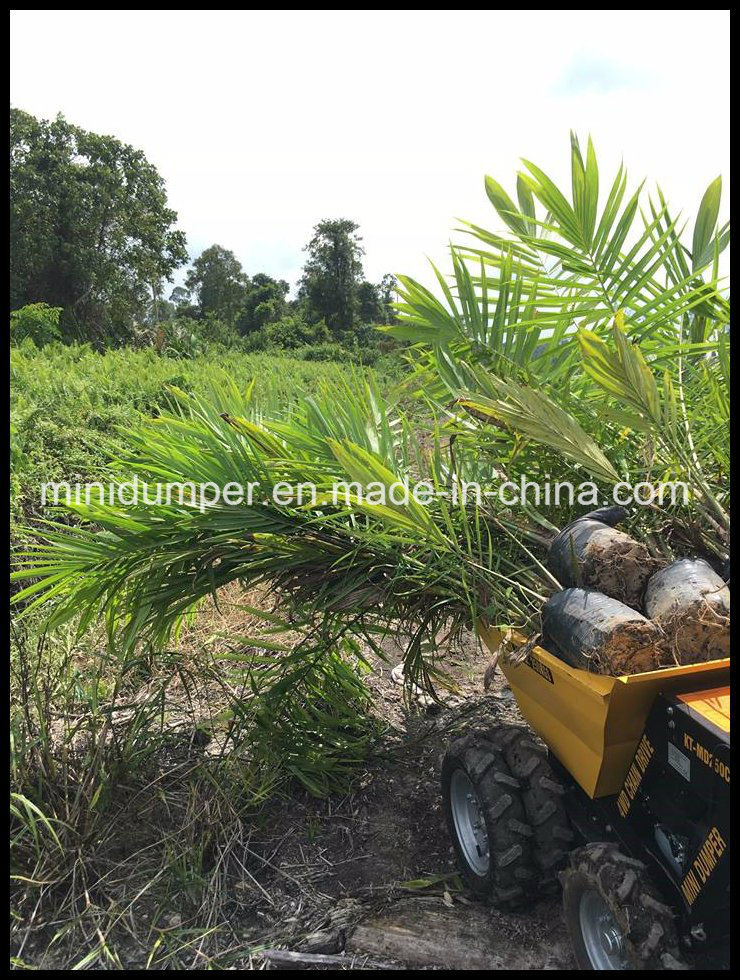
x=592 y=723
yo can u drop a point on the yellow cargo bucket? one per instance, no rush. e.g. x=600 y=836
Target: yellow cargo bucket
x=592 y=723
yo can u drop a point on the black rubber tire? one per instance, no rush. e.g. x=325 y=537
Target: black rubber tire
x=646 y=923
x=542 y=794
x=510 y=878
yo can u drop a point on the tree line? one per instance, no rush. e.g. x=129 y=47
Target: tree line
x=94 y=245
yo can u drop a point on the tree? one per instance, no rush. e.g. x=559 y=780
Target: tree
x=387 y=289
x=180 y=296
x=159 y=311
x=375 y=301
x=265 y=302
x=218 y=281
x=369 y=305
x=90 y=230
x=333 y=274
x=182 y=304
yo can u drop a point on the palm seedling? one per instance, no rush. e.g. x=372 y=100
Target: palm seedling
x=347 y=571
x=584 y=341
x=591 y=332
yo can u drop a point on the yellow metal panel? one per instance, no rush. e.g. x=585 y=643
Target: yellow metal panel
x=593 y=722
x=714 y=705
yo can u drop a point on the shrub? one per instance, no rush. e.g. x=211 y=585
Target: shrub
x=327 y=351
x=289 y=333
x=187 y=336
x=38 y=322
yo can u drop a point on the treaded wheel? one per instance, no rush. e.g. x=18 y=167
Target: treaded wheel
x=542 y=794
x=614 y=913
x=487 y=822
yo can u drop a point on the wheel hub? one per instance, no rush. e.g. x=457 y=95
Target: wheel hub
x=601 y=935
x=470 y=824
x=611 y=941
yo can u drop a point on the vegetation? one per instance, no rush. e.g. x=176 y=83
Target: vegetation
x=92 y=238
x=90 y=228
x=587 y=341
x=73 y=407
x=265 y=302
x=598 y=335
x=131 y=385
x=38 y=322
x=335 y=303
x=219 y=284
x=333 y=287
x=536 y=346
x=81 y=758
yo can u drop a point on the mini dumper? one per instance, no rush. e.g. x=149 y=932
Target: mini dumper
x=621 y=800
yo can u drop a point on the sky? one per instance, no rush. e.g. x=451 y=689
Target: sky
x=263 y=123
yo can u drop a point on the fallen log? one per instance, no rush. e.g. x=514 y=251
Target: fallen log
x=691 y=602
x=594 y=632
x=289 y=959
x=427 y=934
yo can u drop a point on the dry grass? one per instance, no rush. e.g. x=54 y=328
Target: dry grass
x=156 y=845
x=131 y=807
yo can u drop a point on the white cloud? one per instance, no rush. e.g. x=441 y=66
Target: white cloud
x=263 y=123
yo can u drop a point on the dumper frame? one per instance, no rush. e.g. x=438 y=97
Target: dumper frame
x=639 y=768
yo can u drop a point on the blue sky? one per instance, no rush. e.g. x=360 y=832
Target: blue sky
x=587 y=73
x=263 y=123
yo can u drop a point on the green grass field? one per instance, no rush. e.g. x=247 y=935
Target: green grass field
x=116 y=810
x=69 y=404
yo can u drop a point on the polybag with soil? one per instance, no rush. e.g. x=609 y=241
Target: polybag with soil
x=592 y=554
x=595 y=632
x=692 y=605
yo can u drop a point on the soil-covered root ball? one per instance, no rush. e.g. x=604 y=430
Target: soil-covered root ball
x=591 y=553
x=692 y=604
x=594 y=632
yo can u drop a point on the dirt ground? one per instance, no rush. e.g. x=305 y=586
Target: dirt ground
x=367 y=880
x=383 y=855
